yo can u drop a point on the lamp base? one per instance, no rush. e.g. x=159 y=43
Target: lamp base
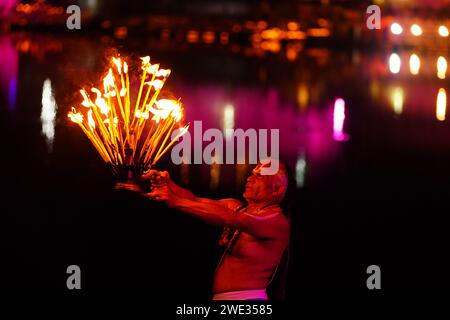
x=129 y=178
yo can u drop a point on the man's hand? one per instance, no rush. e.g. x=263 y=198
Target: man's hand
x=160 y=190
x=156 y=177
x=161 y=193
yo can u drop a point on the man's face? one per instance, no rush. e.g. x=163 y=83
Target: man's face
x=259 y=187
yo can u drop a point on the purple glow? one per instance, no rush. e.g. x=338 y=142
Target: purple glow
x=12 y=93
x=300 y=131
x=8 y=71
x=338 y=120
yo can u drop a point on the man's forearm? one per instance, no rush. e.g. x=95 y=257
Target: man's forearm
x=209 y=212
x=180 y=192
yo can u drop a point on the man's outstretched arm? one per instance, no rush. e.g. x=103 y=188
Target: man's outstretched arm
x=219 y=214
x=214 y=212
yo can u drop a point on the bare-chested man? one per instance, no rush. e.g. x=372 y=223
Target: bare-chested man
x=256 y=233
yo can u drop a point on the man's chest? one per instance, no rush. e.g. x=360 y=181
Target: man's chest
x=246 y=246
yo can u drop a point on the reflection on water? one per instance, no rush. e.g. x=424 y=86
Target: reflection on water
x=441 y=67
x=228 y=120
x=48 y=113
x=227 y=91
x=300 y=170
x=394 y=63
x=338 y=120
x=414 y=64
x=441 y=104
x=443 y=31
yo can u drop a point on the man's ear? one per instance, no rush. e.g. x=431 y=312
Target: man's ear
x=277 y=189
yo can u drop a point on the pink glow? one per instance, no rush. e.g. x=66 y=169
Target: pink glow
x=6 y=7
x=338 y=120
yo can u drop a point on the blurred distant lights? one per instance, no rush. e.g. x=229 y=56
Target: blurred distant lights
x=416 y=30
x=414 y=64
x=293 y=26
x=396 y=28
x=441 y=67
x=303 y=96
x=228 y=120
x=397 y=98
x=443 y=31
x=48 y=113
x=394 y=63
x=441 y=104
x=300 y=170
x=338 y=120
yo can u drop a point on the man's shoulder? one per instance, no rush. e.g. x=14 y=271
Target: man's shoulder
x=232 y=203
x=275 y=214
x=271 y=211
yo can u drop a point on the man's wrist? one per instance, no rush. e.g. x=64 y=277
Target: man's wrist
x=173 y=201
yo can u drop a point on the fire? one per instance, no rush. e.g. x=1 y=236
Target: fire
x=91 y=120
x=75 y=116
x=126 y=134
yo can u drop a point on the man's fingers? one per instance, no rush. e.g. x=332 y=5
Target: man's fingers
x=153 y=172
x=156 y=196
x=127 y=186
x=150 y=173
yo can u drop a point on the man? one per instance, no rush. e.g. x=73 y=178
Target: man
x=256 y=233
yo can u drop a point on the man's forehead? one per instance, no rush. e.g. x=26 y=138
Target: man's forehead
x=261 y=165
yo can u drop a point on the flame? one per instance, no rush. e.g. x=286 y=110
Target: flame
x=163 y=73
x=86 y=101
x=152 y=68
x=125 y=68
x=108 y=83
x=118 y=64
x=91 y=121
x=144 y=115
x=75 y=116
x=115 y=120
x=157 y=84
x=166 y=107
x=145 y=62
x=100 y=102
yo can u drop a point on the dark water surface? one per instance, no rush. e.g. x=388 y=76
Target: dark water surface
x=379 y=196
